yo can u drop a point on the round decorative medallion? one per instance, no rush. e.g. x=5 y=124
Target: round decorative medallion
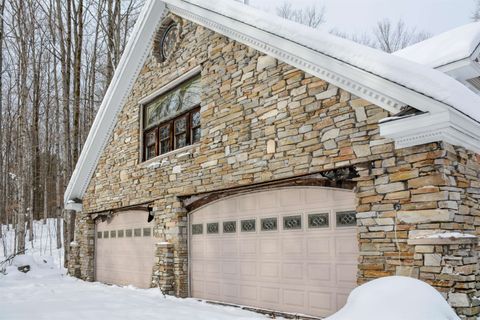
x=167 y=39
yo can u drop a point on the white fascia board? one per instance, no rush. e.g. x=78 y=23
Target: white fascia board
x=379 y=91
x=120 y=87
x=78 y=207
x=450 y=126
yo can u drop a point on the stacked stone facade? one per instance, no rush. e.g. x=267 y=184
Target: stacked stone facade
x=265 y=121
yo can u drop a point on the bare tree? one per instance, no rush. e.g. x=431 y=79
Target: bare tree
x=391 y=37
x=311 y=16
x=387 y=36
x=57 y=58
x=476 y=12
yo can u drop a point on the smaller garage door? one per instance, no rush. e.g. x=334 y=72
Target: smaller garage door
x=125 y=249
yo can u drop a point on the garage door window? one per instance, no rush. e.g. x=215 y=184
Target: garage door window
x=318 y=220
x=120 y=233
x=105 y=234
x=128 y=233
x=147 y=232
x=212 y=227
x=137 y=232
x=197 y=229
x=248 y=225
x=346 y=219
x=292 y=223
x=230 y=227
x=99 y=235
x=269 y=224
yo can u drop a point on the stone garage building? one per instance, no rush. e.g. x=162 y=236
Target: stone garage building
x=241 y=158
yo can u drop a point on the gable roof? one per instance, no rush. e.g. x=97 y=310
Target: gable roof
x=385 y=80
x=451 y=46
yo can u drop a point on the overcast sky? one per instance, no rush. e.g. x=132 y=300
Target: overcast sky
x=433 y=16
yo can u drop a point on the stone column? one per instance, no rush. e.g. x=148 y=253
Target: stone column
x=451 y=266
x=82 y=249
x=163 y=273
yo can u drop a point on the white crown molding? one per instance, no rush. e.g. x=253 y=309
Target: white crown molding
x=127 y=71
x=450 y=127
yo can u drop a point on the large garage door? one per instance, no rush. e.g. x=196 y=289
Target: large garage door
x=292 y=250
x=125 y=250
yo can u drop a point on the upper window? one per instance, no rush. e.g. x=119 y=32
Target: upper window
x=172 y=120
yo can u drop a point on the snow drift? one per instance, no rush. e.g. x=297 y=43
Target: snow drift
x=395 y=298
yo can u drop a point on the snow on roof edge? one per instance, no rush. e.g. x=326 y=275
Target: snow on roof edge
x=446 y=48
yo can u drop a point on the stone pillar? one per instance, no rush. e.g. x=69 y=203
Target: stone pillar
x=82 y=249
x=74 y=260
x=451 y=266
x=172 y=227
x=163 y=271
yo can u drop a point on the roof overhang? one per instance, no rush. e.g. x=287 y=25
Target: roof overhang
x=448 y=126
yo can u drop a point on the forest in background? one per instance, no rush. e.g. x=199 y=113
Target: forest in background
x=57 y=58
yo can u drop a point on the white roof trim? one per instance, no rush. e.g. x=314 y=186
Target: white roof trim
x=380 y=91
x=426 y=128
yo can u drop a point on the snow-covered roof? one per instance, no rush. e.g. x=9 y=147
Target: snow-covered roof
x=445 y=48
x=383 y=79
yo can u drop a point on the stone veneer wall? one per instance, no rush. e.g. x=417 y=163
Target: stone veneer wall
x=263 y=120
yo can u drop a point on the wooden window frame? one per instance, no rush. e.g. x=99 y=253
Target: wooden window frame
x=171 y=124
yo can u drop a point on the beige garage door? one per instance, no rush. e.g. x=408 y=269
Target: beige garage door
x=125 y=250
x=291 y=250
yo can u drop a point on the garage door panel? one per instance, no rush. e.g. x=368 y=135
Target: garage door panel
x=248 y=293
x=346 y=275
x=320 y=302
x=230 y=290
x=292 y=247
x=321 y=273
x=303 y=268
x=230 y=248
x=213 y=267
x=248 y=269
x=270 y=295
x=270 y=270
x=269 y=247
x=319 y=247
x=292 y=271
x=294 y=298
x=248 y=247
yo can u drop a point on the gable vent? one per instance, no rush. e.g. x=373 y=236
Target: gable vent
x=475 y=82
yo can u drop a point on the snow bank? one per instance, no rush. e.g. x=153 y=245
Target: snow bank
x=448 y=47
x=395 y=298
x=414 y=76
x=41 y=253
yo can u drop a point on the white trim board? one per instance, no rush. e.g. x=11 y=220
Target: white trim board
x=426 y=128
x=378 y=90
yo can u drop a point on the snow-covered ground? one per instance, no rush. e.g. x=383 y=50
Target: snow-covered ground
x=46 y=292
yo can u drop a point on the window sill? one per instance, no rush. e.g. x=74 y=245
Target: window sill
x=162 y=160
